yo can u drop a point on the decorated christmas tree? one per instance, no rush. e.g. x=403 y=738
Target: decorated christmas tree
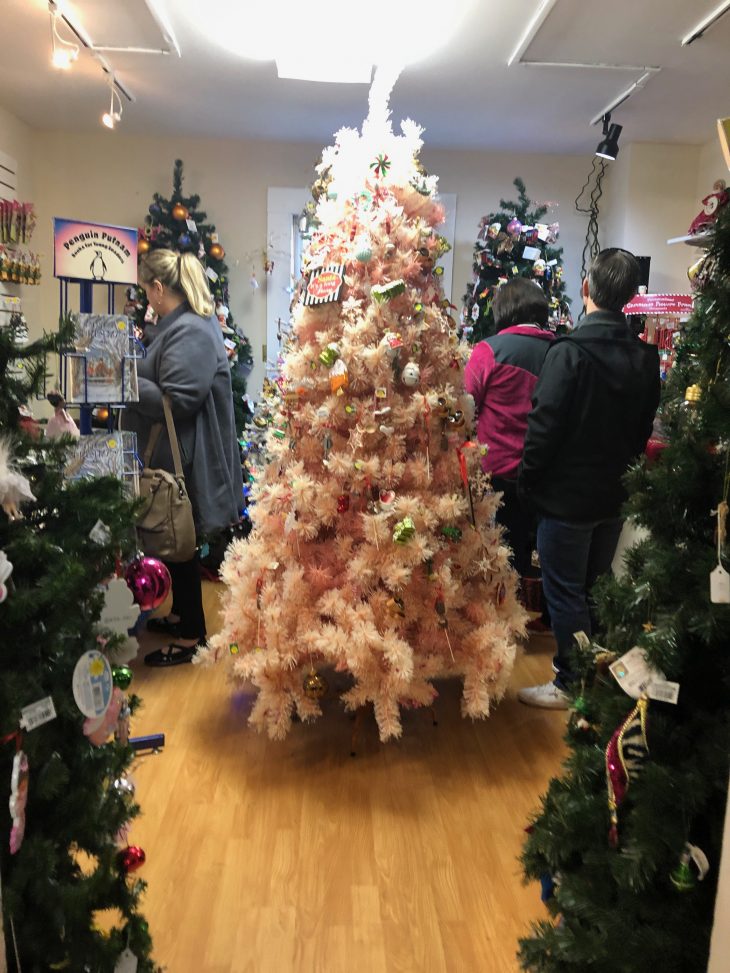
x=177 y=224
x=628 y=840
x=514 y=242
x=373 y=550
x=70 y=898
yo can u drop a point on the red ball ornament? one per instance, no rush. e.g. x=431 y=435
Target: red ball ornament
x=131 y=858
x=180 y=212
x=216 y=251
x=149 y=581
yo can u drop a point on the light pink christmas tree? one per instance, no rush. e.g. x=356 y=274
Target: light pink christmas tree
x=374 y=550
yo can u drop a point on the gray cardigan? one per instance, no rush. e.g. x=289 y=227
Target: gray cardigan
x=187 y=360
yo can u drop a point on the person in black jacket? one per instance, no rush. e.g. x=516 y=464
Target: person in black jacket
x=592 y=414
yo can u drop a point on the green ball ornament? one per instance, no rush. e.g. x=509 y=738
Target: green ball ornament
x=122 y=676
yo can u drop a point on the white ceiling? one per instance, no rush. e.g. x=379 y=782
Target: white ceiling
x=464 y=95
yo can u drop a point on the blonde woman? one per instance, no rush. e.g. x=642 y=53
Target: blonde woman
x=186 y=360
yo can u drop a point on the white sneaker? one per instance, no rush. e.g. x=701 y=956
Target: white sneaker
x=547 y=696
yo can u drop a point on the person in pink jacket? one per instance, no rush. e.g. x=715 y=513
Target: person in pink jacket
x=501 y=375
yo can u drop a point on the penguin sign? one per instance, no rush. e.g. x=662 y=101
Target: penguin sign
x=94 y=251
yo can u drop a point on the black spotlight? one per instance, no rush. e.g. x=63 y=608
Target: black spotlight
x=608 y=146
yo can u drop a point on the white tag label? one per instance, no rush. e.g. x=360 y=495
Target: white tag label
x=719 y=586
x=211 y=273
x=636 y=677
x=92 y=683
x=38 y=713
x=230 y=345
x=127 y=962
x=531 y=253
x=100 y=533
x=542 y=231
x=119 y=614
x=192 y=226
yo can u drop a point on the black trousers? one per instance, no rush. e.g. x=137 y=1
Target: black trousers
x=519 y=524
x=520 y=533
x=187 y=597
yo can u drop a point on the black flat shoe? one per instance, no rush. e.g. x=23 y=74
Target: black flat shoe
x=163 y=626
x=172 y=655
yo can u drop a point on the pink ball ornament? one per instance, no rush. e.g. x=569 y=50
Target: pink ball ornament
x=149 y=581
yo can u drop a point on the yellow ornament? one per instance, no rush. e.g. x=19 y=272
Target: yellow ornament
x=180 y=212
x=315 y=686
x=693 y=394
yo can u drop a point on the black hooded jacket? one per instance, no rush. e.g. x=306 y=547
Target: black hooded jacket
x=592 y=414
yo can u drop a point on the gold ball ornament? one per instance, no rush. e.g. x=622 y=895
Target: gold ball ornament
x=217 y=252
x=315 y=686
x=143 y=246
x=180 y=212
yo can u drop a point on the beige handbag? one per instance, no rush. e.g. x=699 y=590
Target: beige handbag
x=165 y=525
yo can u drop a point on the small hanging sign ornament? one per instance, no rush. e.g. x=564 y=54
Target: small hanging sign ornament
x=719 y=578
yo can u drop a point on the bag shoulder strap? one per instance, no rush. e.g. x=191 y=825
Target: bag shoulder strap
x=172 y=435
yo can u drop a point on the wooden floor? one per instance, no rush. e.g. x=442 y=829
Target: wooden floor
x=295 y=856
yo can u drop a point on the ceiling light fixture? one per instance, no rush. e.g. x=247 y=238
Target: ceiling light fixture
x=274 y=31
x=114 y=115
x=608 y=146
x=704 y=25
x=63 y=52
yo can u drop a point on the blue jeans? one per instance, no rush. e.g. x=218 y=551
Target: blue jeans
x=572 y=557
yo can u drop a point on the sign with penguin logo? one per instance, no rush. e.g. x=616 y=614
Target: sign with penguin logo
x=94 y=251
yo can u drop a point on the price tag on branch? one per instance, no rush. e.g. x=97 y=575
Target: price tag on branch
x=638 y=678
x=38 y=713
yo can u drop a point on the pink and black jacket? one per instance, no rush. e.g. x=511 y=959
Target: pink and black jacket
x=501 y=375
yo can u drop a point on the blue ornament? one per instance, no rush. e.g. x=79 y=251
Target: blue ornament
x=184 y=240
x=155 y=209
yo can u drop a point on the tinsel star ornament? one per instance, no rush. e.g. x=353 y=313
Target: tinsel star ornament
x=380 y=166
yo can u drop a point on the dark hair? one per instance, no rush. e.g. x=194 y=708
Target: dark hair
x=613 y=279
x=520 y=301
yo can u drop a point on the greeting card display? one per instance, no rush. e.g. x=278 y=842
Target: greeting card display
x=101 y=366
x=104 y=454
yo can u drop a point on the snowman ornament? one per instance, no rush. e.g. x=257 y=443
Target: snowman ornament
x=411 y=374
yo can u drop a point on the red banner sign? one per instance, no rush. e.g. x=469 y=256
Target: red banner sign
x=678 y=304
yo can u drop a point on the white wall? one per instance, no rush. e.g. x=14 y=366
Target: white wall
x=712 y=166
x=651 y=190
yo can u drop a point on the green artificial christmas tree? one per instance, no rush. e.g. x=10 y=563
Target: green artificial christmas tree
x=69 y=898
x=514 y=242
x=177 y=224
x=626 y=835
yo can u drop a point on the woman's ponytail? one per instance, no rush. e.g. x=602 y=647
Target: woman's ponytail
x=194 y=285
